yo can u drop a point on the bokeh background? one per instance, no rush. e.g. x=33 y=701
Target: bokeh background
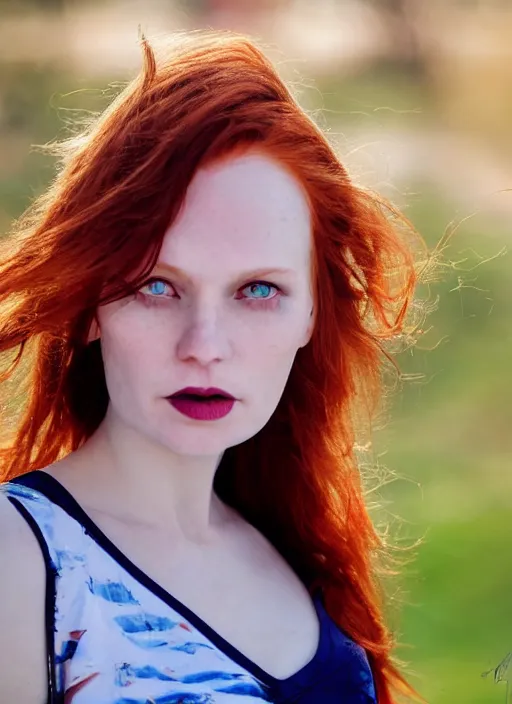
x=417 y=96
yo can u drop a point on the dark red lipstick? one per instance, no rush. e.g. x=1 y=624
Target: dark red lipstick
x=202 y=404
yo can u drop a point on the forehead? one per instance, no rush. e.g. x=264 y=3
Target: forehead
x=243 y=210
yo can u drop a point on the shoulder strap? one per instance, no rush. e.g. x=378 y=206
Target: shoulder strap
x=27 y=494
x=23 y=496
x=45 y=484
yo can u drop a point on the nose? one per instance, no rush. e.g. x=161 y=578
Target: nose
x=204 y=338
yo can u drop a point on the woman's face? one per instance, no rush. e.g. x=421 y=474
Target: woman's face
x=217 y=313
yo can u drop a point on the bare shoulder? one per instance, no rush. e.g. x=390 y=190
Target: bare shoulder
x=22 y=601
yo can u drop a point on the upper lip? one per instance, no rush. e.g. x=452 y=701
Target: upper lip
x=198 y=391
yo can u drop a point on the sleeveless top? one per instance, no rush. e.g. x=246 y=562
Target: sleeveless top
x=114 y=636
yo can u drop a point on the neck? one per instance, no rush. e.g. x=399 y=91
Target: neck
x=133 y=478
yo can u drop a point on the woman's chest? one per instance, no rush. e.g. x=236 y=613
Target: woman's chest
x=240 y=593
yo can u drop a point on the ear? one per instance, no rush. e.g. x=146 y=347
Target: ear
x=94 y=331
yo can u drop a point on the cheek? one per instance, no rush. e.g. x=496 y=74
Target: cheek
x=131 y=351
x=267 y=367
x=280 y=334
x=272 y=351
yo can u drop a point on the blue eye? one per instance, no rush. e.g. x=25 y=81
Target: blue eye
x=155 y=288
x=261 y=284
x=261 y=292
x=158 y=287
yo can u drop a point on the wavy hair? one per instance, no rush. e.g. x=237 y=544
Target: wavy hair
x=94 y=236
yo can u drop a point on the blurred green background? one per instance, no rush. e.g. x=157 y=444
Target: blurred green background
x=417 y=97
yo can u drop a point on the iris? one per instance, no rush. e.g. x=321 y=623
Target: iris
x=158 y=286
x=267 y=286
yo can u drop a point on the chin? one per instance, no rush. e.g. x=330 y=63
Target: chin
x=212 y=440
x=193 y=441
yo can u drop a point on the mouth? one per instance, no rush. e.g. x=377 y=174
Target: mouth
x=202 y=404
x=198 y=394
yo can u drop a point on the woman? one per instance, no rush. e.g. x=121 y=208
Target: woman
x=196 y=307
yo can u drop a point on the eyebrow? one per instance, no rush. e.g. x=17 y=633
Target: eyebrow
x=253 y=273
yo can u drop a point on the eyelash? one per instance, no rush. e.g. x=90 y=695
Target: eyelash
x=260 y=302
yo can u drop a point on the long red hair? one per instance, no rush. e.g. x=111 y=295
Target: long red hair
x=119 y=185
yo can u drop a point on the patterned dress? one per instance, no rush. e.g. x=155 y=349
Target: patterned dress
x=114 y=636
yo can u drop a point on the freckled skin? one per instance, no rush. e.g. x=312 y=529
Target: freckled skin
x=213 y=329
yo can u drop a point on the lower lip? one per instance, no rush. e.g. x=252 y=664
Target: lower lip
x=203 y=410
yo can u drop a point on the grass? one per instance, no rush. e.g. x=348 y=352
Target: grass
x=449 y=441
